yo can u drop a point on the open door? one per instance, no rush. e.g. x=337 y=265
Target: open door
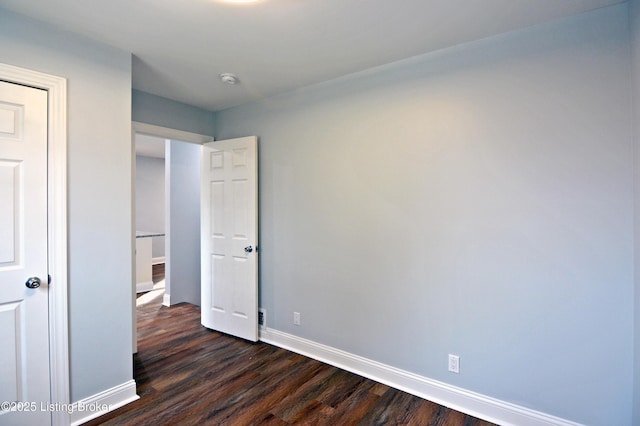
x=229 y=221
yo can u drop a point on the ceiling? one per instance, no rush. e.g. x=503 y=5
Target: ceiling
x=274 y=46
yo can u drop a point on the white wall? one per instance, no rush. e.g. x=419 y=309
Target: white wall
x=182 y=276
x=99 y=193
x=150 y=208
x=475 y=201
x=152 y=109
x=634 y=13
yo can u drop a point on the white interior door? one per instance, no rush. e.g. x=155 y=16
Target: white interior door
x=229 y=223
x=24 y=335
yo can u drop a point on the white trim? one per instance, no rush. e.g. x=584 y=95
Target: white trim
x=144 y=286
x=102 y=403
x=472 y=403
x=57 y=223
x=166 y=300
x=166 y=132
x=157 y=260
x=134 y=263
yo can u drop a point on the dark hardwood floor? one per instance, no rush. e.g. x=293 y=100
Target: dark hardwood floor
x=189 y=375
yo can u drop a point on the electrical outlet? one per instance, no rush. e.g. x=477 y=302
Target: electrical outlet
x=296 y=318
x=262 y=318
x=454 y=363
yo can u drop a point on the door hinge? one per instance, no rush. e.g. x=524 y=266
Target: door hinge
x=48 y=279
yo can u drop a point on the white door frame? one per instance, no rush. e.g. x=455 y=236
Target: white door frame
x=57 y=224
x=165 y=133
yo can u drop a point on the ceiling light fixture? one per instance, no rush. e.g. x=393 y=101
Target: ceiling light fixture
x=228 y=78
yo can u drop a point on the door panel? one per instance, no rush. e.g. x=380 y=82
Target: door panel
x=10 y=384
x=10 y=197
x=11 y=120
x=24 y=327
x=229 y=225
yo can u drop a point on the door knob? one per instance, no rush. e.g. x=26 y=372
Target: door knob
x=248 y=249
x=33 y=282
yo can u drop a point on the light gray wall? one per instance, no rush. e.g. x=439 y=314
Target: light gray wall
x=150 y=208
x=476 y=201
x=152 y=109
x=183 y=227
x=634 y=14
x=99 y=193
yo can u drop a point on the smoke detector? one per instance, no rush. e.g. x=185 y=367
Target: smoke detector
x=228 y=78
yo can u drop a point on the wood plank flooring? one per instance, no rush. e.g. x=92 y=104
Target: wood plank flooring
x=189 y=375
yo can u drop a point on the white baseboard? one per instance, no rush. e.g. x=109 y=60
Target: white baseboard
x=474 y=404
x=103 y=403
x=144 y=286
x=166 y=300
x=157 y=260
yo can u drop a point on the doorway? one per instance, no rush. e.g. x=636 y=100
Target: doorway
x=180 y=214
x=150 y=210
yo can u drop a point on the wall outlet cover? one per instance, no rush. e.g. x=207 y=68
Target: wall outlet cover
x=454 y=363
